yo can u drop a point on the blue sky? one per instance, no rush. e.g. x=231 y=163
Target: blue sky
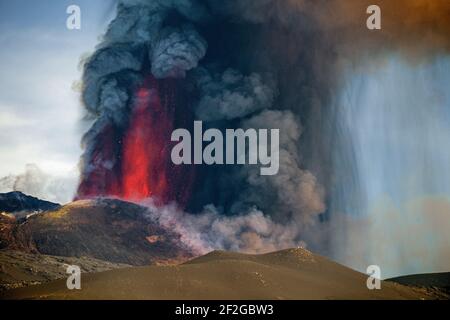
x=40 y=111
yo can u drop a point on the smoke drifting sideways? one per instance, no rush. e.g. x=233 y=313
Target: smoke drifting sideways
x=264 y=64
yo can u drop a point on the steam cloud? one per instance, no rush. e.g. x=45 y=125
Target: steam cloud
x=260 y=64
x=35 y=182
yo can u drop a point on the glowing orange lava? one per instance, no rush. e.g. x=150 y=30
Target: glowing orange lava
x=134 y=163
x=145 y=147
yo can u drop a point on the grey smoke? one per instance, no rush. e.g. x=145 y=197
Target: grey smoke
x=293 y=195
x=264 y=64
x=270 y=212
x=251 y=231
x=232 y=95
x=177 y=52
x=112 y=73
x=292 y=201
x=105 y=62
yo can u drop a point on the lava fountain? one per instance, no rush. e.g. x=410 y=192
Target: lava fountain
x=134 y=164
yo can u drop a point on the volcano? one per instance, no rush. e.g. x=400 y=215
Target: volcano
x=106 y=229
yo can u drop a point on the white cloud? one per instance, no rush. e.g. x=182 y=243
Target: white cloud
x=39 y=111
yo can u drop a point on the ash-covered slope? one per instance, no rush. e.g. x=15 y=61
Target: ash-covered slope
x=20 y=269
x=287 y=274
x=106 y=229
x=17 y=201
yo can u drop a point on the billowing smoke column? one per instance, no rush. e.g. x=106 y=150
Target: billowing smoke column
x=239 y=64
x=131 y=87
x=161 y=65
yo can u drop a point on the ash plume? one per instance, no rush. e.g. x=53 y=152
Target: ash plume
x=178 y=51
x=230 y=95
x=255 y=63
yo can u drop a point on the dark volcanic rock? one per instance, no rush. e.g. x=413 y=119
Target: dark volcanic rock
x=106 y=229
x=428 y=280
x=16 y=201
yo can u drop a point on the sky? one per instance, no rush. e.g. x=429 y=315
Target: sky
x=40 y=109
